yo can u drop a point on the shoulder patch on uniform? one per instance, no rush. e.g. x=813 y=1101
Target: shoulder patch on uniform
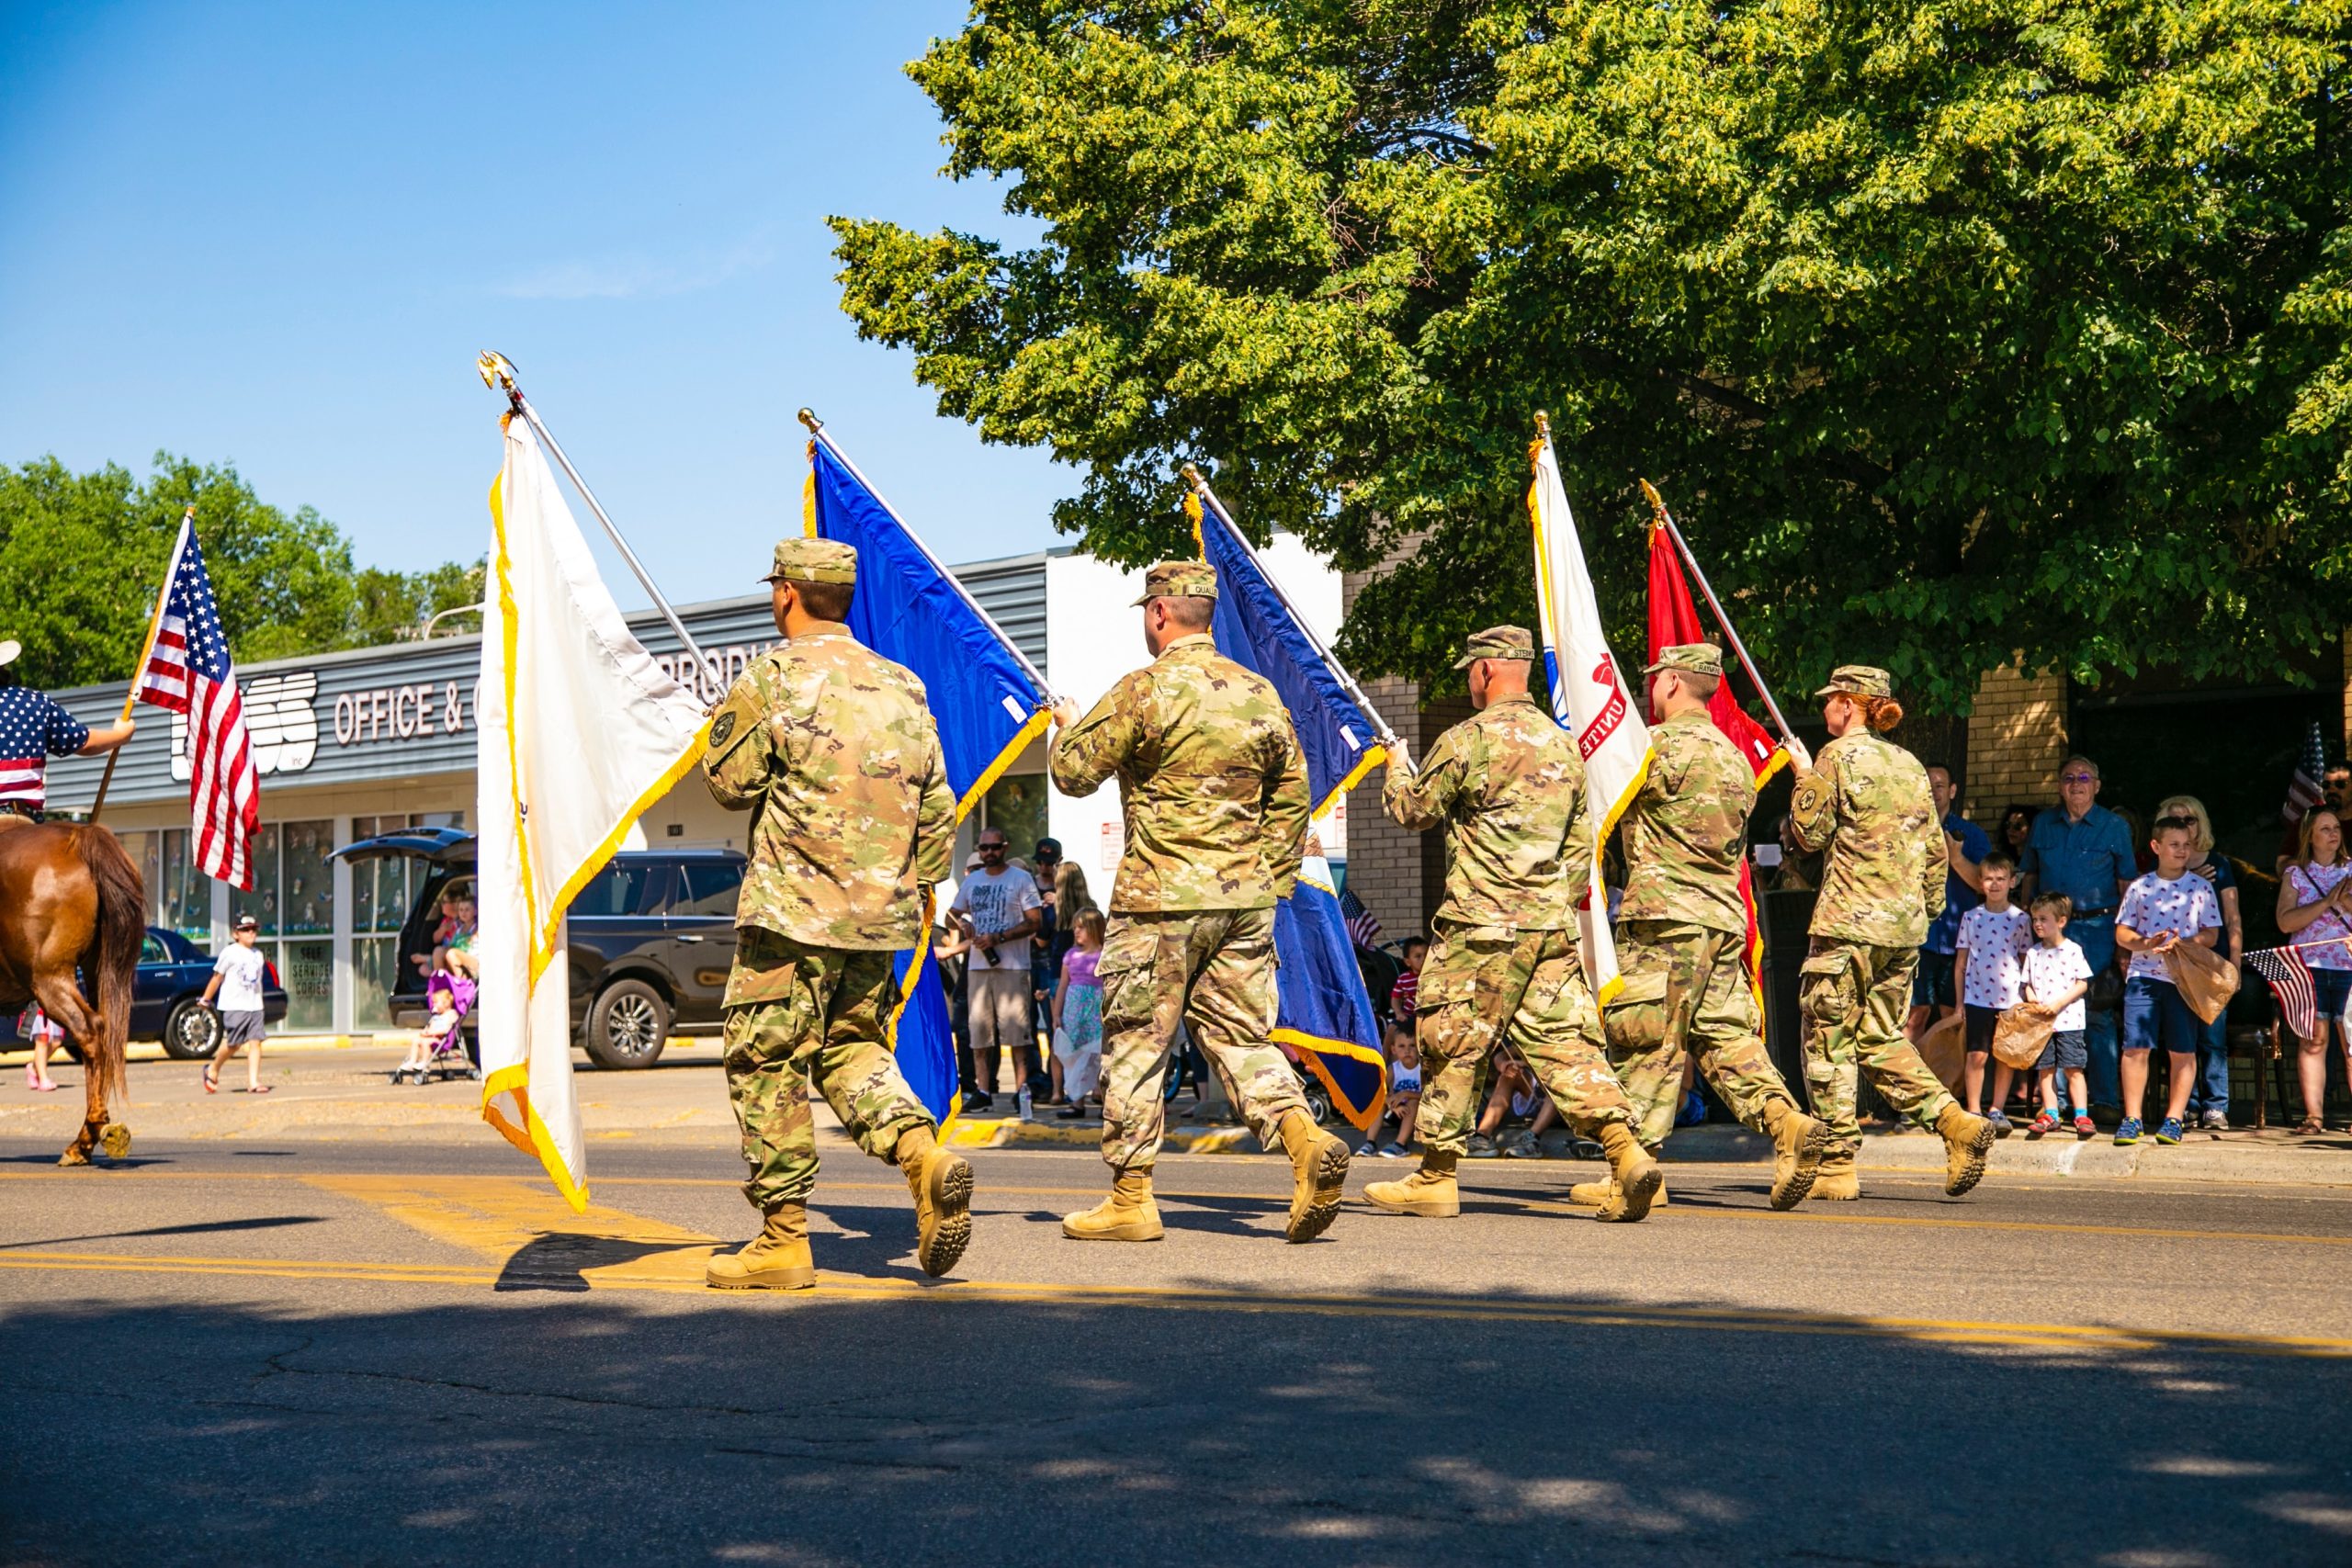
x=739 y=717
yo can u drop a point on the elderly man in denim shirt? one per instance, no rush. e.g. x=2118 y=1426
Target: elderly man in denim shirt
x=2081 y=848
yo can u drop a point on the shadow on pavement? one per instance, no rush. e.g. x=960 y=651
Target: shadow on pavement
x=361 y=1422
x=208 y=1227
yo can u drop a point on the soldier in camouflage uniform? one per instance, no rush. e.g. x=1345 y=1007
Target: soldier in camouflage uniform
x=1865 y=808
x=833 y=749
x=1682 y=933
x=1214 y=793
x=1508 y=786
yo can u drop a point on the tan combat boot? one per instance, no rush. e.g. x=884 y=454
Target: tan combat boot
x=1318 y=1169
x=1595 y=1194
x=942 y=1183
x=1798 y=1143
x=1637 y=1177
x=1967 y=1140
x=1835 y=1180
x=1430 y=1191
x=776 y=1259
x=1128 y=1214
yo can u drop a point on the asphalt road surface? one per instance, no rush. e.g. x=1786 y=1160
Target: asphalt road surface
x=412 y=1352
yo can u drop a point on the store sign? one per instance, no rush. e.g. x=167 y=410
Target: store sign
x=416 y=712
x=279 y=718
x=720 y=668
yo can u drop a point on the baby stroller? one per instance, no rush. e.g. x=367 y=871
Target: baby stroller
x=440 y=1048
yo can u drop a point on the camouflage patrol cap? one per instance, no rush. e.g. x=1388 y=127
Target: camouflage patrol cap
x=1858 y=681
x=1179 y=580
x=1689 y=658
x=1497 y=642
x=814 y=560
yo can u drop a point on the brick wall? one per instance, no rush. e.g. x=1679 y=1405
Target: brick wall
x=2017 y=739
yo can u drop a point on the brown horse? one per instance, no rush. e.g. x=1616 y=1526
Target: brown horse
x=70 y=899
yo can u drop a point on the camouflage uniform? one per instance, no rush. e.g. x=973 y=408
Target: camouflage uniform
x=1865 y=808
x=832 y=747
x=1682 y=928
x=1508 y=786
x=1213 y=791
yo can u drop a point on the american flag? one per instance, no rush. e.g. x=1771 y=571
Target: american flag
x=1364 y=926
x=2290 y=983
x=2302 y=786
x=189 y=673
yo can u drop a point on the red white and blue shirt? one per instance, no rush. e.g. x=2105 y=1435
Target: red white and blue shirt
x=32 y=730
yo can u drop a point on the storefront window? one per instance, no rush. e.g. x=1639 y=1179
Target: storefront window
x=306 y=971
x=262 y=901
x=309 y=879
x=182 y=896
x=381 y=891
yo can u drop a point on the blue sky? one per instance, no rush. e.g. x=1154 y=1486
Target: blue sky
x=277 y=234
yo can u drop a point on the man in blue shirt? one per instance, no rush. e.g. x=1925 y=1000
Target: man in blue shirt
x=32 y=730
x=2081 y=848
x=1964 y=845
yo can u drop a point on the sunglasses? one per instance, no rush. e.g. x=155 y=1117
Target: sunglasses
x=2078 y=778
x=994 y=849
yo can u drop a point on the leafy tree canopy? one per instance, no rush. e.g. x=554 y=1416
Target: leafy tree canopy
x=1949 y=329
x=81 y=555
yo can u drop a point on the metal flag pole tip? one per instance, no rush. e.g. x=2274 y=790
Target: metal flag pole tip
x=808 y=417
x=497 y=373
x=1542 y=424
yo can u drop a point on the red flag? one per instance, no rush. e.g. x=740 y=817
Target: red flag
x=1674 y=618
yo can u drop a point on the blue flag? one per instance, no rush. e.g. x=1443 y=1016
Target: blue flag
x=1255 y=629
x=987 y=703
x=1322 y=1009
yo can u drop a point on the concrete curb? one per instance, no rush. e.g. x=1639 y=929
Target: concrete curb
x=2235 y=1156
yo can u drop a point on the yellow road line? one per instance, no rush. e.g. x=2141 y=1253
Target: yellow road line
x=387 y=1190
x=843 y=1287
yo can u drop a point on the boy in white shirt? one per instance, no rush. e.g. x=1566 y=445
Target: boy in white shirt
x=2168 y=905
x=238 y=976
x=2057 y=978
x=1987 y=972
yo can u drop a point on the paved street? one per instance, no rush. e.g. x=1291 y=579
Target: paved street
x=398 y=1350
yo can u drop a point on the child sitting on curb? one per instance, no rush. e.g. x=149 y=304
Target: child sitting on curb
x=2170 y=905
x=1986 y=973
x=2057 y=978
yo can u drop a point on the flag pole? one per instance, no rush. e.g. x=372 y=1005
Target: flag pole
x=138 y=670
x=817 y=431
x=498 y=374
x=1201 y=487
x=1666 y=521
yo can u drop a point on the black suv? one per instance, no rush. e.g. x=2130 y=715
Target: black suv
x=650 y=939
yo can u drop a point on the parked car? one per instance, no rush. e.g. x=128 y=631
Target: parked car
x=650 y=939
x=167 y=998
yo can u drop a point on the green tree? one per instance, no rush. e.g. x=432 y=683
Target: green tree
x=1949 y=330
x=81 y=555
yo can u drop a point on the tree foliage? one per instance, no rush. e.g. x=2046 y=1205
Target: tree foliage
x=82 y=556
x=1949 y=329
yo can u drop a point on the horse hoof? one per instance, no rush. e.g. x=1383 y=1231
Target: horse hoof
x=117 y=1139
x=76 y=1155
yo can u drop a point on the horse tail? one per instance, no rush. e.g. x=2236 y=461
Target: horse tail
x=122 y=931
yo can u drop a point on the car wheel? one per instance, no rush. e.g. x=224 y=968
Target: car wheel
x=628 y=1026
x=192 y=1032
x=1319 y=1100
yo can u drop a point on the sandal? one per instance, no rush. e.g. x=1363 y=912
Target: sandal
x=211 y=1080
x=2310 y=1127
x=258 y=1088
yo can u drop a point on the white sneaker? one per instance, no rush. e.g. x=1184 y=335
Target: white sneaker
x=2215 y=1120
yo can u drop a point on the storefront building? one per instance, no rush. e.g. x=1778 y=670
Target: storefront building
x=350 y=745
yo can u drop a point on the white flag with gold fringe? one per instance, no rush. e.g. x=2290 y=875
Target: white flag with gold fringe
x=1590 y=695
x=578 y=732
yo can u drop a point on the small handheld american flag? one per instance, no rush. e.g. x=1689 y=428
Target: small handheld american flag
x=189 y=671
x=2290 y=983
x=2302 y=784
x=1364 y=926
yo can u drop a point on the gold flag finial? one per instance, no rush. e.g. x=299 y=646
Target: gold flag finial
x=496 y=370
x=808 y=417
x=1192 y=472
x=1542 y=426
